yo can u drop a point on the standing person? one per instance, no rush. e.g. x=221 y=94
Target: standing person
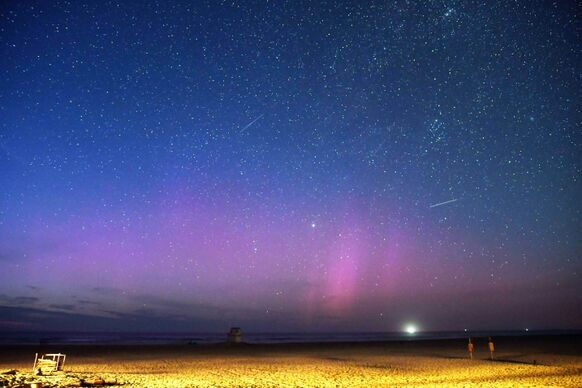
x=470 y=348
x=491 y=348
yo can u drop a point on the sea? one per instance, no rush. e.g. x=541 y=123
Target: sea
x=109 y=338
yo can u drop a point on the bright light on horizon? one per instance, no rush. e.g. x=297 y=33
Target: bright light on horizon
x=411 y=329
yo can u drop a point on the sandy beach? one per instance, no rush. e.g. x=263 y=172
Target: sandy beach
x=533 y=361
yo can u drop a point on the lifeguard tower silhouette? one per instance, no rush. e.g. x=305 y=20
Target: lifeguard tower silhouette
x=234 y=336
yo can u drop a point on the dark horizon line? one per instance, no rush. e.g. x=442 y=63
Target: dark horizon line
x=419 y=332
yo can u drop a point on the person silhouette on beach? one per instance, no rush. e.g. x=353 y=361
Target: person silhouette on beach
x=470 y=348
x=491 y=348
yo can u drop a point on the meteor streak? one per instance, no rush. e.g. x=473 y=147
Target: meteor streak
x=443 y=203
x=251 y=123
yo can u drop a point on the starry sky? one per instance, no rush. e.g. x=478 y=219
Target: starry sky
x=290 y=165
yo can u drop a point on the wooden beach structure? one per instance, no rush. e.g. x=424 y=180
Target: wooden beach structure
x=50 y=362
x=234 y=336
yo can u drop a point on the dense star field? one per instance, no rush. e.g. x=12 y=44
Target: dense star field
x=290 y=165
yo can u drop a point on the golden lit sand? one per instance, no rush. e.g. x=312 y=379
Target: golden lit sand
x=360 y=371
x=341 y=367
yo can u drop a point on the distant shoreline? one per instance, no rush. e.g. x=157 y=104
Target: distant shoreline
x=515 y=341
x=168 y=339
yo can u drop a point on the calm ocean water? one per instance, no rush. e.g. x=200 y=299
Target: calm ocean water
x=96 y=338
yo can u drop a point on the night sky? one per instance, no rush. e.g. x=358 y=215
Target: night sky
x=290 y=165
